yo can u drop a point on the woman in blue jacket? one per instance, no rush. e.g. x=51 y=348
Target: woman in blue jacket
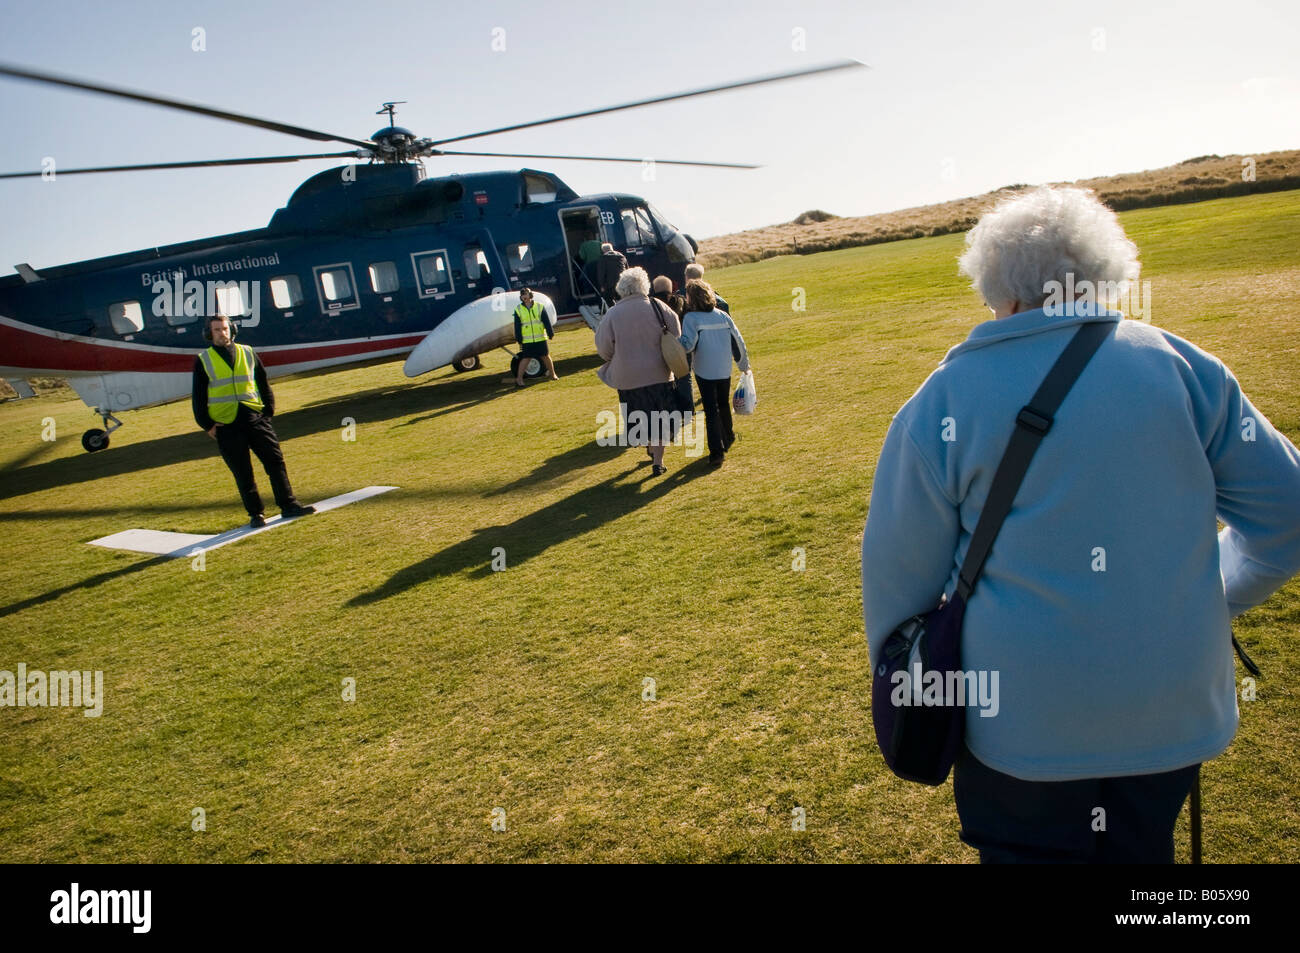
x=1106 y=601
x=710 y=333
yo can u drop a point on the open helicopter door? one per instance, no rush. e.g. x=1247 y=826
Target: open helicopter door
x=582 y=237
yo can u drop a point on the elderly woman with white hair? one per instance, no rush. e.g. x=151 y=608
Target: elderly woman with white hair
x=1105 y=604
x=628 y=338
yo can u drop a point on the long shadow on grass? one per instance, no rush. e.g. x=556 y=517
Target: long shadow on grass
x=371 y=406
x=90 y=583
x=566 y=464
x=532 y=535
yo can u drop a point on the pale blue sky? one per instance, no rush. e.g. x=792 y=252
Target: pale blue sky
x=959 y=99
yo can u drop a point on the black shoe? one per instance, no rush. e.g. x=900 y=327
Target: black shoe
x=716 y=462
x=658 y=470
x=257 y=522
x=289 y=512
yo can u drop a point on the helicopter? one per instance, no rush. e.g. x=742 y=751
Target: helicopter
x=367 y=261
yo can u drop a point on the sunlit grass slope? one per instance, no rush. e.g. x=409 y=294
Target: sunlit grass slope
x=526 y=689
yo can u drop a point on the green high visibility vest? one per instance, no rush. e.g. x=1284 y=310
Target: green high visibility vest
x=228 y=387
x=531 y=328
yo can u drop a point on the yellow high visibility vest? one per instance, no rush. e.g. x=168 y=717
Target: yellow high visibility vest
x=228 y=387
x=531 y=328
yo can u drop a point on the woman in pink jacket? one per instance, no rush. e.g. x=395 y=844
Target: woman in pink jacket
x=628 y=338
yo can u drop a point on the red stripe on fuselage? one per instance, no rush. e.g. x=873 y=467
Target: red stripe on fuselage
x=299 y=354
x=24 y=348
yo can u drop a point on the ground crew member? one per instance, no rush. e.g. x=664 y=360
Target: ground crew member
x=233 y=404
x=532 y=328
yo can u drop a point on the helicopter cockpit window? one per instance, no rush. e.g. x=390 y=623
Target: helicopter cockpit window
x=638 y=230
x=126 y=316
x=383 y=277
x=519 y=258
x=538 y=188
x=676 y=244
x=336 y=288
x=286 y=292
x=433 y=273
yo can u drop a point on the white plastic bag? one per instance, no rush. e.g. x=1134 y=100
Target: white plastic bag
x=746 y=395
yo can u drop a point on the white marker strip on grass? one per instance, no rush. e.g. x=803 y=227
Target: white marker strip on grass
x=180 y=545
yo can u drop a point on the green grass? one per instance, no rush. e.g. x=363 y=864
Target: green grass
x=523 y=689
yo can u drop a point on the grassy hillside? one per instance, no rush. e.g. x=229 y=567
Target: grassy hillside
x=1195 y=180
x=523 y=689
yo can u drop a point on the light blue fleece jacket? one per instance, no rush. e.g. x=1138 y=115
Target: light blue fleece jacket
x=1104 y=605
x=709 y=334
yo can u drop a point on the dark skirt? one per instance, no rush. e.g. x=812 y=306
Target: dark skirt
x=535 y=349
x=653 y=399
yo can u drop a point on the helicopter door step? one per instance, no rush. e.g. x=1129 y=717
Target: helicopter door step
x=189 y=545
x=590 y=314
x=21 y=387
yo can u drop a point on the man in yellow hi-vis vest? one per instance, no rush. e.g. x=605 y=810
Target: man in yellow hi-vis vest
x=532 y=328
x=233 y=404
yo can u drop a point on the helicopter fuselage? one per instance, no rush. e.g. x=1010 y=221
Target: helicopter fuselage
x=360 y=265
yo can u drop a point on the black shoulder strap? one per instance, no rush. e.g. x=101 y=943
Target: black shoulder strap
x=1032 y=423
x=654 y=306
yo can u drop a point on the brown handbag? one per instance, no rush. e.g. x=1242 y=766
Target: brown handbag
x=674 y=353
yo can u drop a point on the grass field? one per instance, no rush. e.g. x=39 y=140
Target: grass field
x=523 y=689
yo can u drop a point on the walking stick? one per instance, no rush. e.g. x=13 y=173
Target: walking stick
x=1196 y=816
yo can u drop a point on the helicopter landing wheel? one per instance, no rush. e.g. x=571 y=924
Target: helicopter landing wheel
x=532 y=367
x=471 y=363
x=93 y=440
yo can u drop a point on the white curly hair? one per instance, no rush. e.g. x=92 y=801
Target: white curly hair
x=1039 y=237
x=632 y=282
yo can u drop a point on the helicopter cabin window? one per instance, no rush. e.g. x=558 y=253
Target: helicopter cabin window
x=432 y=272
x=476 y=264
x=286 y=292
x=637 y=228
x=383 y=277
x=230 y=302
x=539 y=188
x=126 y=316
x=188 y=313
x=519 y=258
x=336 y=288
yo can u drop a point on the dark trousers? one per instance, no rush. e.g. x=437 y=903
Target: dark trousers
x=254 y=432
x=684 y=401
x=1010 y=821
x=685 y=396
x=715 y=397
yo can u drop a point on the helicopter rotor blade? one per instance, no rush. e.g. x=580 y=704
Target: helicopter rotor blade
x=534 y=155
x=149 y=98
x=758 y=81
x=257 y=160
